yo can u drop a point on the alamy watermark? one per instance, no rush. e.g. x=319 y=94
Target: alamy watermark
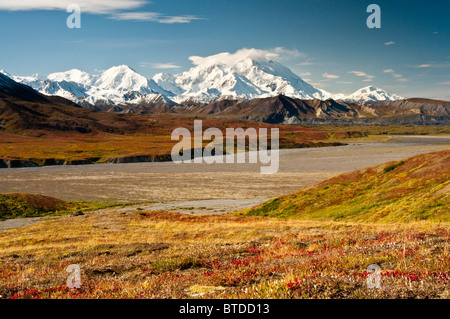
x=374 y=20
x=374 y=278
x=74 y=20
x=190 y=148
x=74 y=279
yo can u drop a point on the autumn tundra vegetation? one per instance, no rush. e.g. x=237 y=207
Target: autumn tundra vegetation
x=316 y=243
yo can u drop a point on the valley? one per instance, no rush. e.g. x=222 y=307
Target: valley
x=169 y=182
x=182 y=248
x=86 y=179
x=180 y=152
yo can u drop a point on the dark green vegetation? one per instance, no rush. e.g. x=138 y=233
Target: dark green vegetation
x=20 y=205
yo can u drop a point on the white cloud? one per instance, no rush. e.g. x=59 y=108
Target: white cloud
x=230 y=59
x=389 y=43
x=305 y=74
x=344 y=82
x=363 y=74
x=330 y=76
x=113 y=8
x=89 y=6
x=152 y=16
x=165 y=66
x=423 y=66
x=307 y=62
x=137 y=16
x=178 y=19
x=397 y=76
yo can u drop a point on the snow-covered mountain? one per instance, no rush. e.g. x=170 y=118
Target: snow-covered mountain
x=119 y=85
x=10 y=88
x=218 y=77
x=246 y=78
x=74 y=75
x=370 y=94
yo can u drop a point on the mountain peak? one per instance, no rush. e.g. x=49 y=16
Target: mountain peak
x=122 y=78
x=246 y=74
x=370 y=88
x=121 y=68
x=371 y=94
x=73 y=75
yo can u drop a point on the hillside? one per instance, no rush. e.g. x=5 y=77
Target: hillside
x=285 y=110
x=416 y=188
x=22 y=109
x=22 y=205
x=29 y=205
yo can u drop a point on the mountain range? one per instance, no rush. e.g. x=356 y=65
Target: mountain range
x=120 y=87
x=24 y=109
x=251 y=89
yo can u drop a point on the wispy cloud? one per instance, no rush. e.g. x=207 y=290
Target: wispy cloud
x=178 y=19
x=330 y=76
x=397 y=76
x=444 y=83
x=389 y=43
x=152 y=16
x=114 y=8
x=305 y=74
x=89 y=6
x=320 y=84
x=286 y=54
x=307 y=62
x=423 y=66
x=159 y=65
x=367 y=77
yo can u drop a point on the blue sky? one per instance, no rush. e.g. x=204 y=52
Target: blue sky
x=334 y=49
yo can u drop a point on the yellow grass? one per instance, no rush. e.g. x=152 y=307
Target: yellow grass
x=142 y=254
